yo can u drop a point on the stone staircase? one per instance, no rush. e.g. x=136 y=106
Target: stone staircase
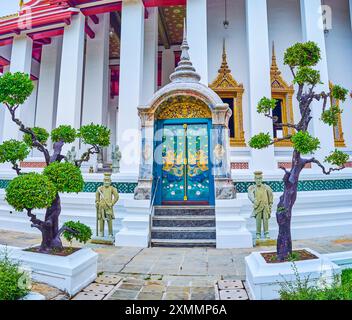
x=183 y=227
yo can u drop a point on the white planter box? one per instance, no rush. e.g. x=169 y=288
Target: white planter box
x=263 y=279
x=33 y=296
x=70 y=274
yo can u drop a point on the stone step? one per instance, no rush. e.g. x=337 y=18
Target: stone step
x=184 y=221
x=180 y=243
x=190 y=233
x=184 y=211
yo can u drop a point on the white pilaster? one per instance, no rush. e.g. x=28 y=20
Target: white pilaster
x=312 y=28
x=167 y=66
x=21 y=61
x=197 y=35
x=96 y=79
x=259 y=79
x=71 y=73
x=150 y=64
x=49 y=85
x=130 y=91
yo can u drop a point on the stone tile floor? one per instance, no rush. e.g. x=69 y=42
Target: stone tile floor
x=170 y=273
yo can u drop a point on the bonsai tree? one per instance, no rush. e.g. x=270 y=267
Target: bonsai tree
x=301 y=59
x=30 y=191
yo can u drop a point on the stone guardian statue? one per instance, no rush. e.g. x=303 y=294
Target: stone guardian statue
x=105 y=199
x=71 y=155
x=262 y=197
x=116 y=158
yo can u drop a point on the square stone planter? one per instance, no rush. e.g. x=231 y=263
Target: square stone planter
x=69 y=274
x=264 y=279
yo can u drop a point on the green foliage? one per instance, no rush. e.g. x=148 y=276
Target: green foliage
x=304 y=143
x=260 y=141
x=331 y=116
x=15 y=88
x=300 y=289
x=337 y=158
x=13 y=151
x=65 y=133
x=95 y=134
x=65 y=176
x=30 y=191
x=41 y=134
x=339 y=93
x=303 y=55
x=14 y=283
x=307 y=75
x=266 y=105
x=84 y=233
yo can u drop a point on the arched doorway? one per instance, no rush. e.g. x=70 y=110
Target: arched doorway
x=182 y=158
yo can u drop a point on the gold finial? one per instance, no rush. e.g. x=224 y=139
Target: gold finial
x=224 y=65
x=21 y=4
x=274 y=70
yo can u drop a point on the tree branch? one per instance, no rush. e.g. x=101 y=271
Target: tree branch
x=65 y=228
x=16 y=167
x=319 y=164
x=36 y=223
x=24 y=129
x=86 y=156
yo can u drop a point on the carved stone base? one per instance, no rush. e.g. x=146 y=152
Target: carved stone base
x=225 y=189
x=143 y=190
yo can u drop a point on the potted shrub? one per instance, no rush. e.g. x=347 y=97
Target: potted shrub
x=30 y=191
x=261 y=272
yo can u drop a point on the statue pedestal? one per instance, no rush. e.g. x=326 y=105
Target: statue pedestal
x=225 y=189
x=103 y=240
x=265 y=243
x=143 y=190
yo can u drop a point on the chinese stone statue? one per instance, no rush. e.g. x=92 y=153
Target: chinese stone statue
x=71 y=155
x=262 y=197
x=116 y=158
x=105 y=199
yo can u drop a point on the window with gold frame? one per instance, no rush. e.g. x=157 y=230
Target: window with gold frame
x=283 y=93
x=338 y=132
x=231 y=92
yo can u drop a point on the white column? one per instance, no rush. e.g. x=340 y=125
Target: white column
x=150 y=64
x=49 y=85
x=130 y=91
x=259 y=79
x=167 y=65
x=71 y=74
x=313 y=31
x=21 y=61
x=197 y=35
x=96 y=78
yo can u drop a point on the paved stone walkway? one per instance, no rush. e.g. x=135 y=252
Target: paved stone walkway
x=171 y=273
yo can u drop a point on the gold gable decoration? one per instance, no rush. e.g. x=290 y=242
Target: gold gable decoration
x=338 y=132
x=226 y=86
x=183 y=107
x=280 y=90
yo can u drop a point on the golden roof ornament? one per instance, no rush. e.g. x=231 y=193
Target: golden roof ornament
x=277 y=81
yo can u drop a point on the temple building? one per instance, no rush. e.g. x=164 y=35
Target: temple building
x=178 y=82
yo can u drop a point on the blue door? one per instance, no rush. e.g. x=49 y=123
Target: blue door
x=184 y=167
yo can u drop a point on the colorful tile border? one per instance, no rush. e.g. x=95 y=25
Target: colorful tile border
x=241 y=186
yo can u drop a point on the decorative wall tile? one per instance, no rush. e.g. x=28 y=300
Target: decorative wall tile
x=239 y=165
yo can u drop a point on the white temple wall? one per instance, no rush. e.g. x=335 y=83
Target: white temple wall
x=285 y=30
x=339 y=52
x=236 y=47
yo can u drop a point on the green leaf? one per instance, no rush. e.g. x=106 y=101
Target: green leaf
x=30 y=191
x=15 y=88
x=65 y=176
x=84 y=232
x=304 y=143
x=339 y=93
x=41 y=134
x=307 y=75
x=64 y=133
x=303 y=55
x=260 y=141
x=13 y=151
x=337 y=158
x=266 y=105
x=331 y=116
x=95 y=134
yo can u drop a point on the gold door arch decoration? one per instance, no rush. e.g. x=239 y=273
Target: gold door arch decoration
x=228 y=88
x=338 y=132
x=183 y=107
x=283 y=93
